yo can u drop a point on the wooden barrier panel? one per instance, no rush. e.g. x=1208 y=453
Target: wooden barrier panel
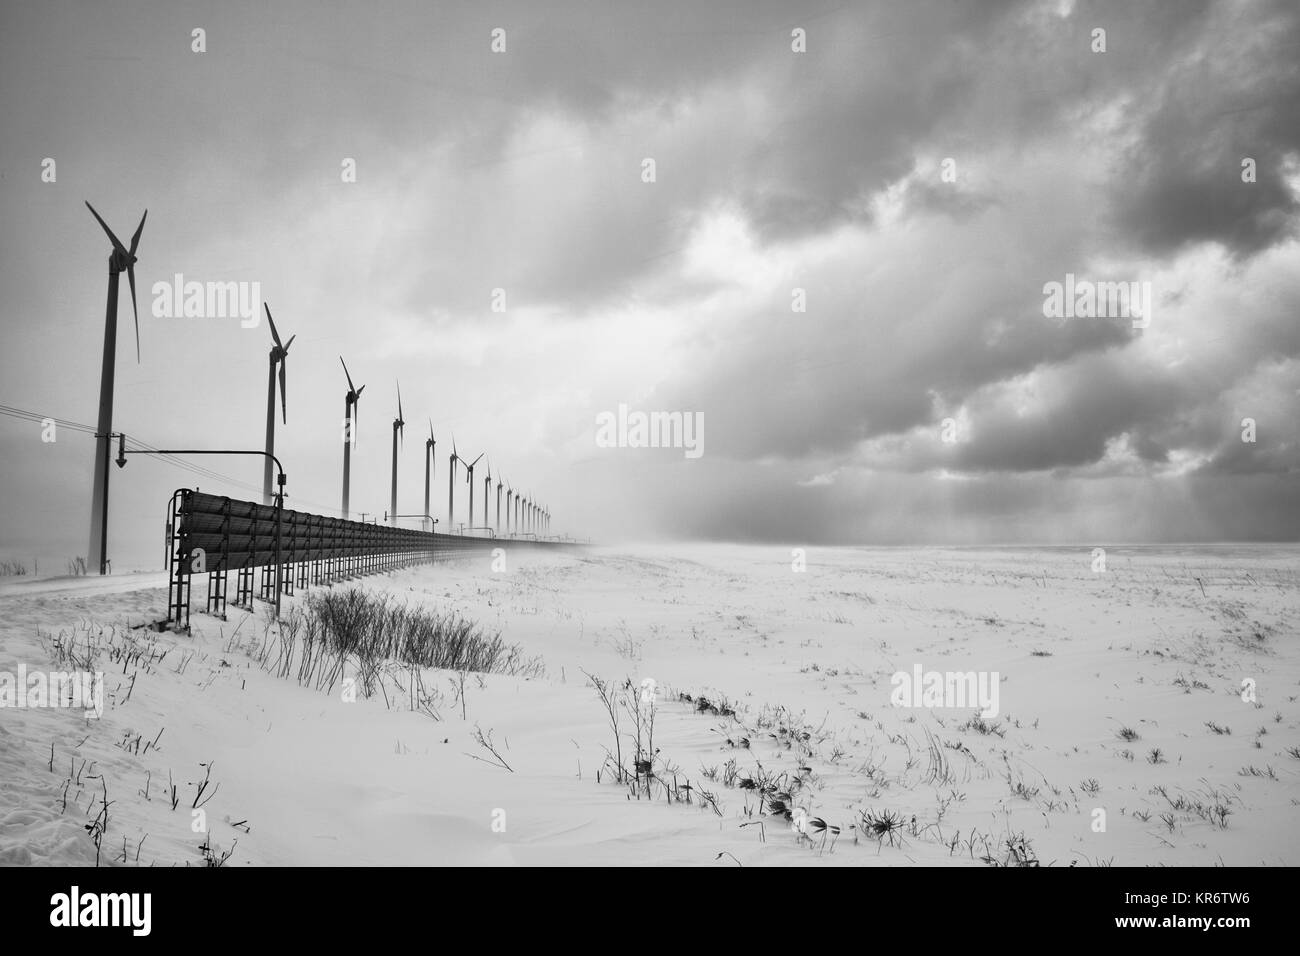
x=214 y=535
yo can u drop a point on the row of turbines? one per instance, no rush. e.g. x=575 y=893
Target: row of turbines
x=523 y=514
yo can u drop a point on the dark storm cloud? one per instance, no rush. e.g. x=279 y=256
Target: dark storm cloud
x=1069 y=420
x=799 y=143
x=874 y=357
x=1234 y=92
x=852 y=115
x=1236 y=457
x=863 y=366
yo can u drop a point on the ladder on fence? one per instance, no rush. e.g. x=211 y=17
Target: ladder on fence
x=178 y=567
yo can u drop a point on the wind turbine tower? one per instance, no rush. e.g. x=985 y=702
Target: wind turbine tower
x=399 y=431
x=279 y=354
x=119 y=260
x=351 y=422
x=430 y=460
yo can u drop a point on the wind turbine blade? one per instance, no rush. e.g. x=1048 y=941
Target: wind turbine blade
x=284 y=407
x=112 y=238
x=135 y=240
x=274 y=334
x=399 y=403
x=290 y=342
x=130 y=277
x=351 y=387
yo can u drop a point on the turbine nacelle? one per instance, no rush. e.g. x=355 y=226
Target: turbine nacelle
x=280 y=353
x=353 y=399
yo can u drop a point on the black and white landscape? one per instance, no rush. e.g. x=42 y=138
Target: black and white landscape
x=824 y=433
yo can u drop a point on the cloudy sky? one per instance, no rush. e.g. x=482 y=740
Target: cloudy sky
x=774 y=171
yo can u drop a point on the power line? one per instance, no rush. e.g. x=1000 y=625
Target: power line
x=24 y=414
x=39 y=418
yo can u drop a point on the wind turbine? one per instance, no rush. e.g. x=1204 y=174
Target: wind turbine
x=510 y=492
x=451 y=486
x=119 y=260
x=469 y=479
x=430 y=461
x=500 y=485
x=351 y=419
x=279 y=354
x=399 y=429
x=487 y=490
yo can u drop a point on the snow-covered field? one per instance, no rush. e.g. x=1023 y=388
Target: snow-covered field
x=794 y=668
